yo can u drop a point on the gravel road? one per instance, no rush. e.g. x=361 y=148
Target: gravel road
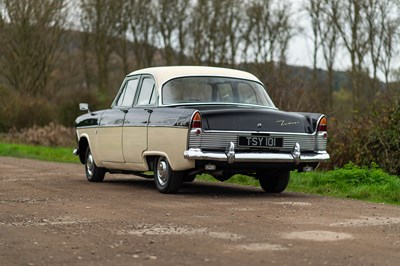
x=50 y=215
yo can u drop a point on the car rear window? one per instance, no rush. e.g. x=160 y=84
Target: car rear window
x=189 y=90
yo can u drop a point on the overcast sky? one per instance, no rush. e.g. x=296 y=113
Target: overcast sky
x=301 y=47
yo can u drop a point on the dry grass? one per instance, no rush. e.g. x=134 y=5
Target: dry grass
x=52 y=135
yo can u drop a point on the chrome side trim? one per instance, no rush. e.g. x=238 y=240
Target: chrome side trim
x=198 y=154
x=258 y=132
x=81 y=127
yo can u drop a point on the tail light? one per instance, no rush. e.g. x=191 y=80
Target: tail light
x=323 y=124
x=196 y=122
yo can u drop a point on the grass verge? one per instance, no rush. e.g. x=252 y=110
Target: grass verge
x=363 y=183
x=53 y=154
x=351 y=181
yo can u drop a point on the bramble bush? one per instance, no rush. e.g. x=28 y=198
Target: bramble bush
x=23 y=111
x=372 y=137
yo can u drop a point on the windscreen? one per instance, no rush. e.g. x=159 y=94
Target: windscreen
x=188 y=90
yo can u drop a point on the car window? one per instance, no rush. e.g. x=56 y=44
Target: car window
x=187 y=90
x=128 y=93
x=247 y=94
x=146 y=92
x=224 y=92
x=121 y=96
x=154 y=97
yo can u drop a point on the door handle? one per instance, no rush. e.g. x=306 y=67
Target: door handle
x=148 y=110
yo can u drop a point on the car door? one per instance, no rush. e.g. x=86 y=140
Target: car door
x=134 y=135
x=109 y=135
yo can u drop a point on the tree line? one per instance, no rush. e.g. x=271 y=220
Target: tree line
x=57 y=53
x=233 y=33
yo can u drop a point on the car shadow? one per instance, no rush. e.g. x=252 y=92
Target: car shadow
x=204 y=189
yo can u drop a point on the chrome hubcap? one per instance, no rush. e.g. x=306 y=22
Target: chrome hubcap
x=162 y=172
x=90 y=165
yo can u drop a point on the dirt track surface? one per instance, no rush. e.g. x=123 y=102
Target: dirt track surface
x=50 y=215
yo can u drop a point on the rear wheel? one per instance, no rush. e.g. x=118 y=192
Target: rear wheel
x=166 y=180
x=93 y=173
x=274 y=181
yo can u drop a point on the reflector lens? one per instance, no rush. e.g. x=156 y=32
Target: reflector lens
x=323 y=124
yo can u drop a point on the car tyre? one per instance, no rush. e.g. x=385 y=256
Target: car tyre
x=93 y=173
x=274 y=182
x=167 y=180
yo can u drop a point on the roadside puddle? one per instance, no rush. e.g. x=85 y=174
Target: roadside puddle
x=261 y=247
x=242 y=209
x=321 y=236
x=179 y=230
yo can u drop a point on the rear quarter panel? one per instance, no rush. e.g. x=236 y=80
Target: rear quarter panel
x=168 y=136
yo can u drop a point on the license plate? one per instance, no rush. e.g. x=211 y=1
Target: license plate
x=260 y=141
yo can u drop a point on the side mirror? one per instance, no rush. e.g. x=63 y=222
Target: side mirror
x=84 y=107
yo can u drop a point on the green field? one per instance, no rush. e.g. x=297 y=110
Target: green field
x=369 y=184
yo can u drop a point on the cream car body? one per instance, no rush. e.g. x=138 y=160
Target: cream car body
x=180 y=121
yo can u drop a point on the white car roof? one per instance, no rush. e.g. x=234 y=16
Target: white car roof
x=163 y=74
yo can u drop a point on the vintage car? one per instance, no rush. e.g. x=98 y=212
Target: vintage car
x=182 y=121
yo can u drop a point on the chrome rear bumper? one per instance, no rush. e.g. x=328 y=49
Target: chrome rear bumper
x=231 y=156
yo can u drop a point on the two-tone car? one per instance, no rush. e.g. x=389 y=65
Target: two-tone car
x=186 y=120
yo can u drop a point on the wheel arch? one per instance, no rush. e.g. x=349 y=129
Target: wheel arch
x=83 y=145
x=150 y=156
x=176 y=161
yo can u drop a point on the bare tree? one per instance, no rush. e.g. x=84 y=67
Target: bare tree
x=123 y=44
x=198 y=25
x=258 y=40
x=31 y=34
x=283 y=25
x=349 y=18
x=144 y=31
x=171 y=20
x=207 y=24
x=99 y=20
x=314 y=10
x=376 y=16
x=268 y=30
x=233 y=28
x=182 y=13
x=217 y=34
x=215 y=31
x=166 y=24
x=390 y=40
x=329 y=41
